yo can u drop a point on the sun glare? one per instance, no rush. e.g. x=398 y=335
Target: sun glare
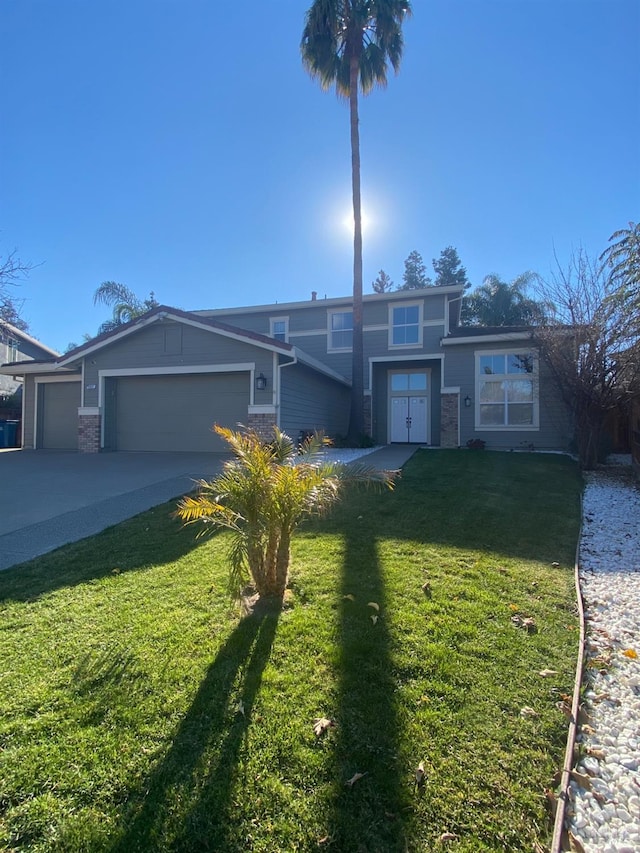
x=347 y=222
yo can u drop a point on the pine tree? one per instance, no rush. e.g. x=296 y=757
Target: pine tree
x=383 y=283
x=415 y=273
x=449 y=270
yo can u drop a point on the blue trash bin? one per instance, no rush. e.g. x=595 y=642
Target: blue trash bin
x=8 y=433
x=11 y=433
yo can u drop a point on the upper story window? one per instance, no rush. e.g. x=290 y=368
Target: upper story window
x=279 y=328
x=507 y=390
x=405 y=327
x=12 y=350
x=340 y=330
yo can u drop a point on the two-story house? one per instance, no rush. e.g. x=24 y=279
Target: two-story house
x=18 y=346
x=160 y=382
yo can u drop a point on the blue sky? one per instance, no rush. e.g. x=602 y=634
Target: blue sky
x=179 y=146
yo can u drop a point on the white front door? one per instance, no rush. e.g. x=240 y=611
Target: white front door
x=418 y=419
x=409 y=419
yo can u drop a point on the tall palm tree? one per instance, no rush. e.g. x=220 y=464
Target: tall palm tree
x=498 y=303
x=350 y=44
x=623 y=256
x=125 y=304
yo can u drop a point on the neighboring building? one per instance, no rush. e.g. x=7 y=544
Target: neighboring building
x=161 y=381
x=17 y=346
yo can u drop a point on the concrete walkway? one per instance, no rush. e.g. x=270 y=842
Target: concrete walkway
x=50 y=498
x=390 y=458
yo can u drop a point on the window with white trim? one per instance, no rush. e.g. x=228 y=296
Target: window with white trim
x=13 y=349
x=279 y=328
x=340 y=330
x=405 y=326
x=507 y=390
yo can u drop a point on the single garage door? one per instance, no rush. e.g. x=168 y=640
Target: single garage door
x=177 y=412
x=58 y=404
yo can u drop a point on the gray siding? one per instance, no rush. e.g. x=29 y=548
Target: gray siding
x=310 y=401
x=308 y=328
x=148 y=347
x=29 y=398
x=554 y=432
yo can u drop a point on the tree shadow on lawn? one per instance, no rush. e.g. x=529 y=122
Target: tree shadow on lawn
x=366 y=814
x=184 y=804
x=152 y=538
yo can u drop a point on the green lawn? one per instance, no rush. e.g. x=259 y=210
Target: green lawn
x=138 y=713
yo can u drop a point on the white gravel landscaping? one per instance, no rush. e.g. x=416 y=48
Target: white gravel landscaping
x=603 y=813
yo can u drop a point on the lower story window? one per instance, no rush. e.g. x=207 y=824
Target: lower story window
x=507 y=391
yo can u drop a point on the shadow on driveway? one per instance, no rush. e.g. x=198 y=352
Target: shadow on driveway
x=51 y=498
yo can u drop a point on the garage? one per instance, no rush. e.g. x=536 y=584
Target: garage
x=173 y=412
x=58 y=404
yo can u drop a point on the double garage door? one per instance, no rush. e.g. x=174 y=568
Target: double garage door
x=173 y=412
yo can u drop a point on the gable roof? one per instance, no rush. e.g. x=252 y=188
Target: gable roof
x=15 y=332
x=455 y=291
x=166 y=312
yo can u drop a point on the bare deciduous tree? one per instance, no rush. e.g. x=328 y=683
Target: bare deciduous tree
x=12 y=271
x=592 y=347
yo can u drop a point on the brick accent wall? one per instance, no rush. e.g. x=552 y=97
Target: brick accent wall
x=368 y=425
x=262 y=424
x=89 y=433
x=449 y=413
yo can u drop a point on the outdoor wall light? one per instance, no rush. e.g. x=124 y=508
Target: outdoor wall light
x=261 y=382
x=467 y=402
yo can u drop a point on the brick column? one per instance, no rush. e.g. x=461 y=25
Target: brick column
x=449 y=419
x=89 y=430
x=368 y=424
x=262 y=419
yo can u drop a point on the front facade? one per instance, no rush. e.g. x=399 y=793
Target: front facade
x=160 y=382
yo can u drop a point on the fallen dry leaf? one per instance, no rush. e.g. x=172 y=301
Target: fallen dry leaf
x=587 y=729
x=547 y=673
x=596 y=753
x=321 y=725
x=447 y=836
x=420 y=774
x=527 y=623
x=426 y=588
x=355 y=778
x=350 y=597
x=528 y=712
x=551 y=801
x=564 y=708
x=374 y=604
x=582 y=779
x=630 y=653
x=575 y=844
x=374 y=619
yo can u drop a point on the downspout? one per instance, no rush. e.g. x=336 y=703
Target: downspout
x=294 y=360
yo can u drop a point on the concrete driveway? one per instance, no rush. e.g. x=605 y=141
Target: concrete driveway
x=50 y=498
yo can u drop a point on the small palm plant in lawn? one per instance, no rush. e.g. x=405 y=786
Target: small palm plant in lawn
x=263 y=493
